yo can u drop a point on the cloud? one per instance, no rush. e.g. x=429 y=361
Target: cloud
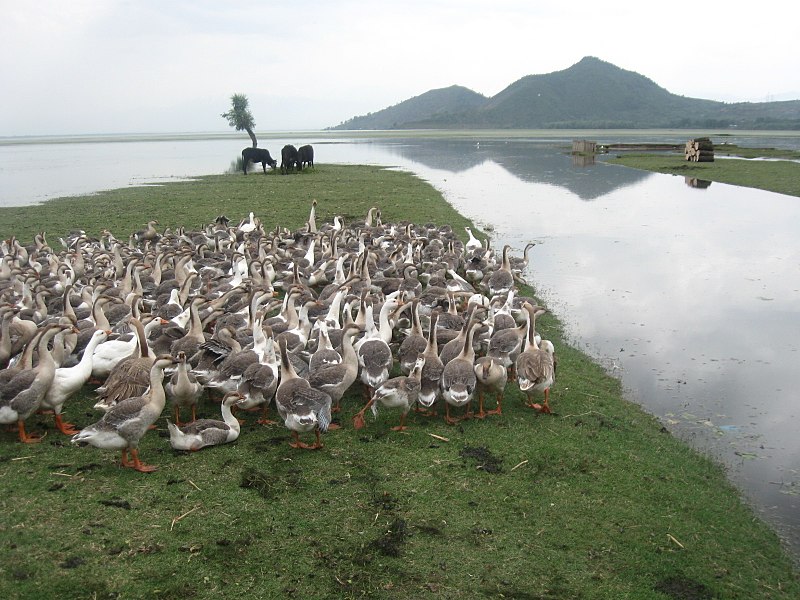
x=109 y=66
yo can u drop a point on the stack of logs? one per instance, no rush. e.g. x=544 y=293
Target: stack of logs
x=699 y=150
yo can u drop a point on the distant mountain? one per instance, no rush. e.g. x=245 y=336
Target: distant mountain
x=432 y=105
x=590 y=94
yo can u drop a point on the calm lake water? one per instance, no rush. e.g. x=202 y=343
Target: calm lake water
x=690 y=295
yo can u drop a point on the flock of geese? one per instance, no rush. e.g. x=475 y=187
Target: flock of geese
x=257 y=318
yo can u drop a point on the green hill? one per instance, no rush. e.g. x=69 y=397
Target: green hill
x=590 y=94
x=432 y=105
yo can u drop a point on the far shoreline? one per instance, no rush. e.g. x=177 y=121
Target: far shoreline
x=327 y=134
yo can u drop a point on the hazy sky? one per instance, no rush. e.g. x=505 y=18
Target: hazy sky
x=108 y=66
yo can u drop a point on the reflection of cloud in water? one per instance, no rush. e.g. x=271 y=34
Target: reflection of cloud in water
x=532 y=162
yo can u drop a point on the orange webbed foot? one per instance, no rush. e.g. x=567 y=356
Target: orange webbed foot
x=137 y=464
x=25 y=437
x=68 y=429
x=143 y=468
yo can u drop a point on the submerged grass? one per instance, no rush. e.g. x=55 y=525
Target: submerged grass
x=596 y=501
x=781 y=176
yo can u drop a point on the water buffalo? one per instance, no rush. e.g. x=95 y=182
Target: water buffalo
x=289 y=158
x=306 y=155
x=257 y=155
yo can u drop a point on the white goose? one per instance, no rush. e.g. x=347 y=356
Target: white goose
x=68 y=380
x=207 y=432
x=110 y=352
x=473 y=243
x=248 y=226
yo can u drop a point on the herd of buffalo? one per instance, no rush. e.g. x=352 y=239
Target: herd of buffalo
x=292 y=159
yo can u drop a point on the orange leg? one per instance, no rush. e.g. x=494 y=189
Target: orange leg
x=124 y=462
x=178 y=416
x=24 y=437
x=297 y=443
x=447 y=418
x=499 y=409
x=358 y=418
x=265 y=420
x=65 y=428
x=318 y=443
x=139 y=465
x=468 y=413
x=194 y=413
x=402 y=426
x=481 y=414
x=424 y=412
x=546 y=406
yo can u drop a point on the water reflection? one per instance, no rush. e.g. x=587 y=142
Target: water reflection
x=528 y=160
x=582 y=160
x=694 y=182
x=693 y=300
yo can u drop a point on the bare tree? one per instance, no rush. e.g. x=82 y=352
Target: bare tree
x=239 y=116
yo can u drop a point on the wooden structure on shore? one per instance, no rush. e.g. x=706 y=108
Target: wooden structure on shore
x=583 y=147
x=699 y=150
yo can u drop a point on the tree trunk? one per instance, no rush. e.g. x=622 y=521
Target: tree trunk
x=252 y=137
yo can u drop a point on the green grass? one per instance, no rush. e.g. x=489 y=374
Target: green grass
x=781 y=176
x=277 y=199
x=596 y=501
x=726 y=149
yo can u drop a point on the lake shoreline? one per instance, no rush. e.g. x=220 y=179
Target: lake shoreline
x=780 y=175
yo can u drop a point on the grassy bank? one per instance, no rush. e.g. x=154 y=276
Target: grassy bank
x=595 y=501
x=781 y=176
x=277 y=200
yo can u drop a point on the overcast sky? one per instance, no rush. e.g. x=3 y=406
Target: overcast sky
x=110 y=66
